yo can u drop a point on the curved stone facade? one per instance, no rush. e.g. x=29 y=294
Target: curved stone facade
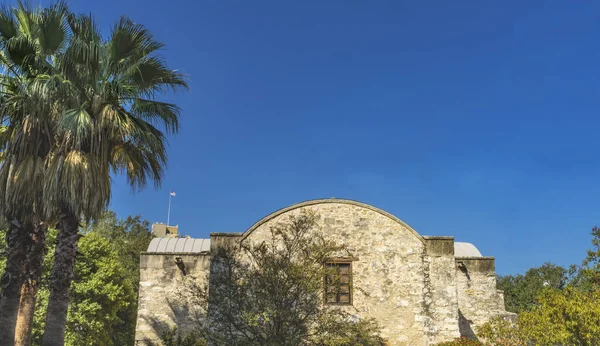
x=412 y=285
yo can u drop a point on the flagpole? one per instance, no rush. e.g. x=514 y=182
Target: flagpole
x=169 y=212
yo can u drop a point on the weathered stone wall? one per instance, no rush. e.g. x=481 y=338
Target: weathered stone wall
x=440 y=298
x=390 y=271
x=478 y=297
x=169 y=294
x=414 y=286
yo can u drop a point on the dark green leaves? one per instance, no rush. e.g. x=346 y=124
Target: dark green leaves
x=53 y=28
x=77 y=124
x=157 y=112
x=131 y=39
x=21 y=50
x=153 y=74
x=8 y=28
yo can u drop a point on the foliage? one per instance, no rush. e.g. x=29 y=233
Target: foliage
x=587 y=276
x=348 y=332
x=501 y=332
x=567 y=316
x=74 y=110
x=75 y=107
x=570 y=317
x=461 y=342
x=104 y=293
x=98 y=293
x=174 y=338
x=271 y=292
x=521 y=291
x=128 y=237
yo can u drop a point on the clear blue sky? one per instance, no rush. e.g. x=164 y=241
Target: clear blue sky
x=477 y=119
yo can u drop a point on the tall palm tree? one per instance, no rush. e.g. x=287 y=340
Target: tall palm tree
x=110 y=122
x=30 y=39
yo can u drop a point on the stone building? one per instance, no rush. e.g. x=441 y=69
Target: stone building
x=421 y=289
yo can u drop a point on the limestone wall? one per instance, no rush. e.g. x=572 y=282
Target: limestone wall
x=478 y=297
x=169 y=294
x=440 y=296
x=410 y=294
x=414 y=286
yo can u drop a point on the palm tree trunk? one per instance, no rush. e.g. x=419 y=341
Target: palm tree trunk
x=10 y=283
x=60 y=281
x=33 y=271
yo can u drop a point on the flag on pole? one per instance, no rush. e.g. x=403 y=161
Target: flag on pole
x=173 y=193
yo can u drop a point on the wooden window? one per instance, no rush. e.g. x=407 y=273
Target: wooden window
x=338 y=283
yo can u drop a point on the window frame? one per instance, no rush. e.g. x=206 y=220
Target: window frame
x=336 y=262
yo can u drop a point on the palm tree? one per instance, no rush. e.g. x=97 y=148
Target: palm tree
x=29 y=41
x=110 y=122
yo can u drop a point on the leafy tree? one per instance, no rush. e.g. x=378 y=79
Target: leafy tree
x=566 y=316
x=271 y=293
x=128 y=238
x=30 y=39
x=75 y=107
x=569 y=317
x=587 y=276
x=500 y=332
x=108 y=123
x=104 y=293
x=461 y=342
x=100 y=291
x=521 y=291
x=174 y=338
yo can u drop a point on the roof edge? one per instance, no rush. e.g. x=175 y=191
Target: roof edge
x=329 y=200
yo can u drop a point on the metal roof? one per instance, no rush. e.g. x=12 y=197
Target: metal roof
x=189 y=245
x=465 y=250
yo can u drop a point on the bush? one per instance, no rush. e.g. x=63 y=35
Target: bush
x=174 y=338
x=500 y=332
x=461 y=342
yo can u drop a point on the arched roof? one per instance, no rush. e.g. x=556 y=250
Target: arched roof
x=329 y=200
x=465 y=250
x=179 y=245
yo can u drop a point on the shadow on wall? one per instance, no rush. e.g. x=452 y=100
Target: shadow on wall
x=184 y=314
x=464 y=326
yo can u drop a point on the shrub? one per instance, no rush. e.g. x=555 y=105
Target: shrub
x=173 y=338
x=461 y=342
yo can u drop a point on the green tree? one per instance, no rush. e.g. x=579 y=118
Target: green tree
x=104 y=293
x=521 y=291
x=108 y=123
x=570 y=317
x=587 y=275
x=271 y=293
x=567 y=316
x=30 y=39
x=76 y=107
x=128 y=238
x=500 y=332
x=100 y=291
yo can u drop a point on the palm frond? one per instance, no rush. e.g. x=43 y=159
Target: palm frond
x=162 y=113
x=21 y=50
x=152 y=74
x=84 y=27
x=129 y=39
x=76 y=125
x=8 y=27
x=53 y=28
x=26 y=19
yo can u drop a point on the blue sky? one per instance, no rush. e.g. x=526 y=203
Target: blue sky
x=477 y=119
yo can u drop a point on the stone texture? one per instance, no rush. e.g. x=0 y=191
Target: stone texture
x=478 y=298
x=393 y=272
x=168 y=295
x=412 y=285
